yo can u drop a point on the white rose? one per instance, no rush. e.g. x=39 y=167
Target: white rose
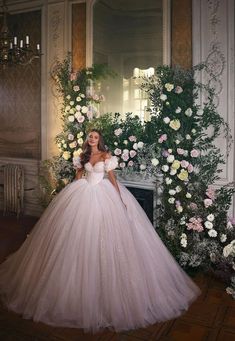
x=165 y=168
x=188 y=137
x=67 y=108
x=125 y=142
x=169 y=150
x=84 y=109
x=71 y=118
x=71 y=103
x=172 y=192
x=140 y=144
x=177 y=141
x=168 y=181
x=163 y=97
x=142 y=167
x=208 y=225
x=155 y=162
x=179 y=209
x=169 y=87
x=212 y=233
x=73 y=144
x=210 y=217
x=80 y=141
x=173 y=171
x=68 y=97
x=171 y=200
x=166 y=120
x=223 y=238
x=135 y=146
x=66 y=155
x=178 y=110
x=170 y=158
x=188 y=195
x=78 y=99
x=188 y=112
x=178 y=189
x=183 y=242
x=72 y=111
x=77 y=114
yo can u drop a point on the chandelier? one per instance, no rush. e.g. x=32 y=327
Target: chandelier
x=12 y=50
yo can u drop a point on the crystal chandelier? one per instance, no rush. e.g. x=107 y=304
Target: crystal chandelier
x=12 y=50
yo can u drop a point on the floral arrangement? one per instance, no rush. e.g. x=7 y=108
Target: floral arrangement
x=192 y=218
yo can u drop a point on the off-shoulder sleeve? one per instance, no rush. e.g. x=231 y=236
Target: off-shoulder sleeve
x=111 y=163
x=77 y=162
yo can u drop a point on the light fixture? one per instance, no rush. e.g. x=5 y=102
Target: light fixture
x=12 y=50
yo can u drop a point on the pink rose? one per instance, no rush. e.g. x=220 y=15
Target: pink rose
x=162 y=138
x=194 y=153
x=81 y=119
x=125 y=157
x=117 y=151
x=190 y=168
x=132 y=153
x=193 y=206
x=195 y=224
x=208 y=202
x=132 y=138
x=184 y=163
x=178 y=89
x=122 y=164
x=180 y=151
x=130 y=163
x=210 y=192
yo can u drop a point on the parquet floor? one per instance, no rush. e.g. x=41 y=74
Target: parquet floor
x=211 y=317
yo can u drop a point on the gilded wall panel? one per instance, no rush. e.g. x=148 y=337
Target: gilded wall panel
x=20 y=96
x=79 y=35
x=181 y=33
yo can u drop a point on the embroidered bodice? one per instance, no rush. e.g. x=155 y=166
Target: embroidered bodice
x=95 y=173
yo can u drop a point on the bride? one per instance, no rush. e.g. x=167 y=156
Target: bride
x=94 y=260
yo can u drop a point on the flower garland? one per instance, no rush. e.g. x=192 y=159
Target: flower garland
x=193 y=213
x=192 y=217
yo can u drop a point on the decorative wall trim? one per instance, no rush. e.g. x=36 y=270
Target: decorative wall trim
x=213 y=42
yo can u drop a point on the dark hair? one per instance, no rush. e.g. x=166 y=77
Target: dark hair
x=86 y=149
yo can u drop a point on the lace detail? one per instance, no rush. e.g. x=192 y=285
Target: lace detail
x=110 y=163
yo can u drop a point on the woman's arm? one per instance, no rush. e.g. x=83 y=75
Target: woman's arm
x=112 y=179
x=79 y=173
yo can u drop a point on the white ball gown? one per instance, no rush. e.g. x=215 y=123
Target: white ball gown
x=92 y=262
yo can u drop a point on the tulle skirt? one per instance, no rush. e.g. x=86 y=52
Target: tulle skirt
x=92 y=262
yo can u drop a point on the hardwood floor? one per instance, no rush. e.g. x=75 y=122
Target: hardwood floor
x=211 y=317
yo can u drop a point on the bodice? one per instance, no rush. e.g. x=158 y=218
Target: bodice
x=95 y=173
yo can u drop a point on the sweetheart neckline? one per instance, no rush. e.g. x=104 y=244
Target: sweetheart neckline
x=94 y=163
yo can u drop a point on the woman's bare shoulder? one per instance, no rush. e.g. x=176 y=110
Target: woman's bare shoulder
x=106 y=155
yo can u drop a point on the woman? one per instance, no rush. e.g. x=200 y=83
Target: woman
x=94 y=260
